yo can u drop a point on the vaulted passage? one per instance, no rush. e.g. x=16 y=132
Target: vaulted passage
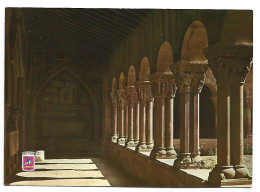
x=128 y=97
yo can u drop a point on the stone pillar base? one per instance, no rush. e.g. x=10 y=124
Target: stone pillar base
x=241 y=171
x=149 y=146
x=221 y=173
x=183 y=161
x=121 y=141
x=114 y=138
x=196 y=159
x=158 y=153
x=170 y=152
x=140 y=146
x=130 y=143
x=227 y=175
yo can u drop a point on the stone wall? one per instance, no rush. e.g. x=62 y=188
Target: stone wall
x=154 y=173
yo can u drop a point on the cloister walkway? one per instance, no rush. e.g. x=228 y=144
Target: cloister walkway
x=75 y=172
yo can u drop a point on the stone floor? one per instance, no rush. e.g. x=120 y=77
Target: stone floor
x=75 y=172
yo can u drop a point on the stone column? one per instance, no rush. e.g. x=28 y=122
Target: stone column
x=144 y=94
x=126 y=121
x=132 y=99
x=142 y=140
x=214 y=101
x=158 y=84
x=248 y=117
x=114 y=98
x=122 y=99
x=149 y=123
x=182 y=75
x=230 y=64
x=197 y=83
x=169 y=113
x=136 y=121
x=237 y=130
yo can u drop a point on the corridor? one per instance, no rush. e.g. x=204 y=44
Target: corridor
x=74 y=172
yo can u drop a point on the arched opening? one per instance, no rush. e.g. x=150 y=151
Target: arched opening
x=165 y=58
x=207 y=114
x=144 y=70
x=195 y=40
x=65 y=115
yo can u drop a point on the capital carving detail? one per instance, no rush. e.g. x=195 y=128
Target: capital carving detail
x=144 y=91
x=163 y=85
x=122 y=97
x=230 y=62
x=114 y=98
x=132 y=94
x=183 y=80
x=190 y=74
x=197 y=82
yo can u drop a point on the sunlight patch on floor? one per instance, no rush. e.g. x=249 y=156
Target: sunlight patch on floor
x=64 y=182
x=66 y=161
x=66 y=166
x=61 y=174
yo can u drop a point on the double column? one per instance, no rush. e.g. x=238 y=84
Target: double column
x=190 y=78
x=132 y=104
x=230 y=64
x=114 y=99
x=197 y=82
x=163 y=89
x=121 y=116
x=146 y=116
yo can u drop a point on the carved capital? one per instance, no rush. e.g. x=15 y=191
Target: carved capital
x=162 y=84
x=197 y=83
x=144 y=91
x=132 y=94
x=190 y=75
x=230 y=62
x=114 y=98
x=122 y=97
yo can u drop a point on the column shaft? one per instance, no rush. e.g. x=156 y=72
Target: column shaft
x=142 y=141
x=184 y=120
x=169 y=126
x=130 y=139
x=248 y=122
x=114 y=136
x=236 y=120
x=136 y=122
x=194 y=125
x=149 y=124
x=223 y=129
x=159 y=127
x=121 y=124
x=126 y=122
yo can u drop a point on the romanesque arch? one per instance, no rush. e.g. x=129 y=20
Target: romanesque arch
x=144 y=69
x=165 y=58
x=195 y=40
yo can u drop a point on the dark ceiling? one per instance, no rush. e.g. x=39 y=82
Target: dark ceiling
x=82 y=32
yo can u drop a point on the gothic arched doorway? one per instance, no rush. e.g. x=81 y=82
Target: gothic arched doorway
x=65 y=117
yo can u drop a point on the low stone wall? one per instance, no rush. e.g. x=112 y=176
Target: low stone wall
x=152 y=172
